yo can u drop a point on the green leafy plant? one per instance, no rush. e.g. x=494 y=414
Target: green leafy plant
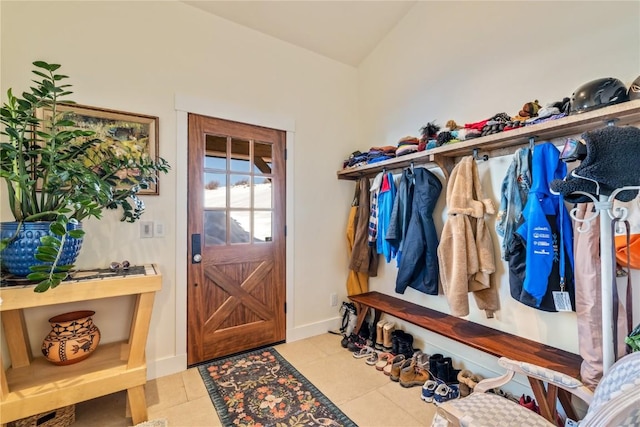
x=59 y=173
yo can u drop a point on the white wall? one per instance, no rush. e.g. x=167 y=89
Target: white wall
x=138 y=56
x=468 y=61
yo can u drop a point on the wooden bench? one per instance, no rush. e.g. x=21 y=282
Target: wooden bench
x=483 y=338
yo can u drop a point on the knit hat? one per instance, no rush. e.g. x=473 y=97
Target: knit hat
x=613 y=158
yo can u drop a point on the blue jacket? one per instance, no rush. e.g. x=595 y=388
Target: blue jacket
x=401 y=213
x=385 y=206
x=419 y=264
x=515 y=190
x=543 y=242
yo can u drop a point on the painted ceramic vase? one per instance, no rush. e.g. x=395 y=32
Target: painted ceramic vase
x=73 y=338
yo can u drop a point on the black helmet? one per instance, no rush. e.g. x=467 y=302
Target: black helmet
x=634 y=89
x=597 y=94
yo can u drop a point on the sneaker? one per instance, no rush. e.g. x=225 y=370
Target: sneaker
x=345 y=341
x=445 y=392
x=356 y=342
x=429 y=389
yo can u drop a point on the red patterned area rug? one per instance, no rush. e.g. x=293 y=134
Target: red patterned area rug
x=261 y=388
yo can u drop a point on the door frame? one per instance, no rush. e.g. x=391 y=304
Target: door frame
x=185 y=104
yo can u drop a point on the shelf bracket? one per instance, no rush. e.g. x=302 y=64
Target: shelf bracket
x=445 y=164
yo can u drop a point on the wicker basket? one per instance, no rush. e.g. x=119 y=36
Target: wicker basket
x=61 y=417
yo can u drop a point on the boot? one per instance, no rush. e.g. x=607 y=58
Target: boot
x=371 y=339
x=397 y=368
x=433 y=360
x=388 y=331
x=379 y=335
x=406 y=345
x=445 y=371
x=396 y=338
x=413 y=375
x=349 y=318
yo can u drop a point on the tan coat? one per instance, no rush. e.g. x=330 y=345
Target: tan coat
x=465 y=253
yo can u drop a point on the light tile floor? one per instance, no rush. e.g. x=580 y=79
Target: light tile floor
x=365 y=395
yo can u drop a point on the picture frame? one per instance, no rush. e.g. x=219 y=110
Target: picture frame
x=126 y=130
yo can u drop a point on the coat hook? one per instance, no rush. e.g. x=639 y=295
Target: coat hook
x=476 y=157
x=611 y=122
x=532 y=142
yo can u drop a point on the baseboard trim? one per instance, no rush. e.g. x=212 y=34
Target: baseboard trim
x=166 y=366
x=174 y=364
x=313 y=329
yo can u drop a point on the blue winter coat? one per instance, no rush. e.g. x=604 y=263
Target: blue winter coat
x=401 y=213
x=385 y=206
x=540 y=238
x=419 y=264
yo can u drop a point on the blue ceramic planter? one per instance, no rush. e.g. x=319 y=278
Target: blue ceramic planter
x=19 y=255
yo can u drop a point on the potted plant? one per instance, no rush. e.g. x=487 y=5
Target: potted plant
x=57 y=175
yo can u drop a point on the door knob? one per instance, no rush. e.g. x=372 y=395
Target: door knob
x=197 y=258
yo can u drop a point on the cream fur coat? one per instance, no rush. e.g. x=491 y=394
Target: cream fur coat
x=465 y=253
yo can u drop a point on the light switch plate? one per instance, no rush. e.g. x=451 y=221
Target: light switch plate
x=146 y=229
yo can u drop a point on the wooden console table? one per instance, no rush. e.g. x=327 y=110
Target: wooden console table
x=34 y=385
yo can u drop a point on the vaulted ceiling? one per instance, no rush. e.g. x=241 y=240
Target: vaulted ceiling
x=344 y=30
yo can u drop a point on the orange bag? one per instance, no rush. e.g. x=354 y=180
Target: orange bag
x=620 y=237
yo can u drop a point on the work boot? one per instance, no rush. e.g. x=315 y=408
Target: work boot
x=413 y=375
x=398 y=367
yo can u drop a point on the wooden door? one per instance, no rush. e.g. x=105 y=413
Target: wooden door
x=236 y=247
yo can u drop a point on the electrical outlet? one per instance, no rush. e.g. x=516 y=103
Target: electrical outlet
x=159 y=229
x=333 y=300
x=146 y=229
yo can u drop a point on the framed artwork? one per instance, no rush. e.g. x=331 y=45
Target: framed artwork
x=135 y=133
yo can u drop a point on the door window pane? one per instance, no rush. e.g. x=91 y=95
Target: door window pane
x=240 y=160
x=262 y=158
x=262 y=226
x=215 y=152
x=240 y=227
x=262 y=192
x=240 y=191
x=215 y=228
x=215 y=186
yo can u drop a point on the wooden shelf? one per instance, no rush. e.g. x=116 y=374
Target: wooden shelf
x=491 y=341
x=34 y=385
x=505 y=143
